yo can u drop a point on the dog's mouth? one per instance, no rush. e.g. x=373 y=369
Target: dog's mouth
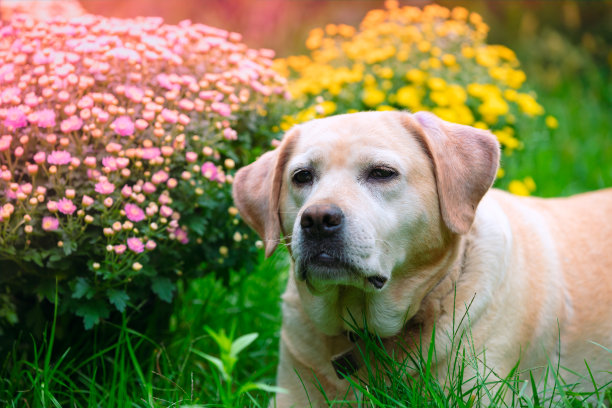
x=327 y=266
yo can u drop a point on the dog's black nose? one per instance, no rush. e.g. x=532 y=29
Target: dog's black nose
x=322 y=219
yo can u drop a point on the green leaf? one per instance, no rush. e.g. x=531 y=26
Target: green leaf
x=214 y=361
x=82 y=288
x=163 y=288
x=261 y=387
x=241 y=343
x=118 y=298
x=92 y=312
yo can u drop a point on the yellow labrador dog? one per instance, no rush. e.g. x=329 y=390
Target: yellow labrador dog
x=390 y=220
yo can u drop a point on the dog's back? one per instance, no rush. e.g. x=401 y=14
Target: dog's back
x=566 y=245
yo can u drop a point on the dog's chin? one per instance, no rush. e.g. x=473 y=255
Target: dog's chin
x=322 y=270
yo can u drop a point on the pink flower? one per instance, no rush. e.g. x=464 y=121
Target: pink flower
x=119 y=249
x=181 y=236
x=159 y=177
x=209 y=170
x=126 y=191
x=122 y=162
x=165 y=211
x=40 y=157
x=90 y=161
x=149 y=187
x=141 y=124
x=50 y=223
x=134 y=93
x=151 y=153
x=109 y=162
x=191 y=157
x=124 y=126
x=104 y=187
x=169 y=116
x=65 y=206
x=45 y=118
x=59 y=157
x=15 y=119
x=52 y=206
x=135 y=245
x=5 y=142
x=230 y=134
x=150 y=245
x=87 y=201
x=164 y=199
x=134 y=213
x=222 y=109
x=71 y=124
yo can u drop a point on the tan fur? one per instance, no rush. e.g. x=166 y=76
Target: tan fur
x=527 y=269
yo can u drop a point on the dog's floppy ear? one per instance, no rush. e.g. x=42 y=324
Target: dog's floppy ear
x=256 y=192
x=465 y=163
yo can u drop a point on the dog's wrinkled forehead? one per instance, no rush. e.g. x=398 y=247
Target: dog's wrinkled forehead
x=367 y=136
x=365 y=126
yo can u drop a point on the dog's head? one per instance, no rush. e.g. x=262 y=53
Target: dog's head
x=361 y=198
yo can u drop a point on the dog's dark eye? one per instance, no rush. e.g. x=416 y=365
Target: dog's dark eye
x=381 y=174
x=302 y=177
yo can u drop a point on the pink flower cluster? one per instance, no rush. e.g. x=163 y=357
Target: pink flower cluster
x=102 y=118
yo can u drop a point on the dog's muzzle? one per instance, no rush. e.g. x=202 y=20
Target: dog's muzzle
x=323 y=245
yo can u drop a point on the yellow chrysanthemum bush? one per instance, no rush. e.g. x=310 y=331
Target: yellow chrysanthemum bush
x=414 y=59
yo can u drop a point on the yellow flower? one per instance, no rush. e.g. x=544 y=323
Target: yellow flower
x=500 y=173
x=385 y=108
x=372 y=97
x=530 y=184
x=446 y=114
x=436 y=84
x=385 y=72
x=449 y=60
x=463 y=114
x=456 y=94
x=424 y=46
x=416 y=75
x=435 y=63
x=315 y=39
x=440 y=98
x=517 y=187
x=326 y=108
x=506 y=139
x=468 y=52
x=493 y=107
x=510 y=95
x=346 y=31
x=552 y=122
x=460 y=13
x=528 y=104
x=409 y=97
x=331 y=30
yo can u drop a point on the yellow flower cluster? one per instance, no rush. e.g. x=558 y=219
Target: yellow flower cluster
x=408 y=58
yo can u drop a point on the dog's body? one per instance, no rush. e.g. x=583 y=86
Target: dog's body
x=388 y=222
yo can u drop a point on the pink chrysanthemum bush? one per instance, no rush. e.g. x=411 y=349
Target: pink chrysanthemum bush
x=118 y=140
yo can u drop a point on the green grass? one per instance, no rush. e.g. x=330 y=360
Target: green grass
x=117 y=366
